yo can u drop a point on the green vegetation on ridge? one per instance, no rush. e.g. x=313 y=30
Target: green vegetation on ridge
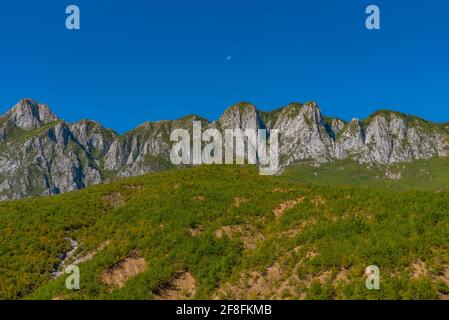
x=425 y=175
x=320 y=238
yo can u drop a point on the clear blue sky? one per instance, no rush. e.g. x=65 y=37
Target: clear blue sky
x=134 y=60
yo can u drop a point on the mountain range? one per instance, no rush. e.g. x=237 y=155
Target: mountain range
x=41 y=154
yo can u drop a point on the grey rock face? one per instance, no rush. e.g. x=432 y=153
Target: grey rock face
x=337 y=125
x=350 y=141
x=145 y=149
x=243 y=116
x=92 y=136
x=304 y=135
x=27 y=115
x=41 y=154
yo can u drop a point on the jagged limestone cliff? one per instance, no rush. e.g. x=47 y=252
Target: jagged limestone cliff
x=41 y=154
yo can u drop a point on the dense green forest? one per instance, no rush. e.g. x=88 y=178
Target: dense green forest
x=227 y=232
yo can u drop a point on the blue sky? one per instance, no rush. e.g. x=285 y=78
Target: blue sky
x=134 y=61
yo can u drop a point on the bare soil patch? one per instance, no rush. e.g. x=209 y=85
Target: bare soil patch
x=291 y=233
x=181 y=287
x=419 y=269
x=318 y=201
x=290 y=204
x=248 y=234
x=91 y=254
x=279 y=190
x=117 y=275
x=239 y=201
x=196 y=231
x=115 y=200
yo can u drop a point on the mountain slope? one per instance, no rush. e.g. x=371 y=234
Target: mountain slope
x=41 y=154
x=225 y=232
x=423 y=175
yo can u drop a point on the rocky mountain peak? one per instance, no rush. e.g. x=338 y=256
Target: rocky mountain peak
x=311 y=104
x=337 y=125
x=242 y=115
x=70 y=156
x=27 y=114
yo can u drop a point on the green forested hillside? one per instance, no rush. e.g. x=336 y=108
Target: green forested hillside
x=227 y=232
x=425 y=175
